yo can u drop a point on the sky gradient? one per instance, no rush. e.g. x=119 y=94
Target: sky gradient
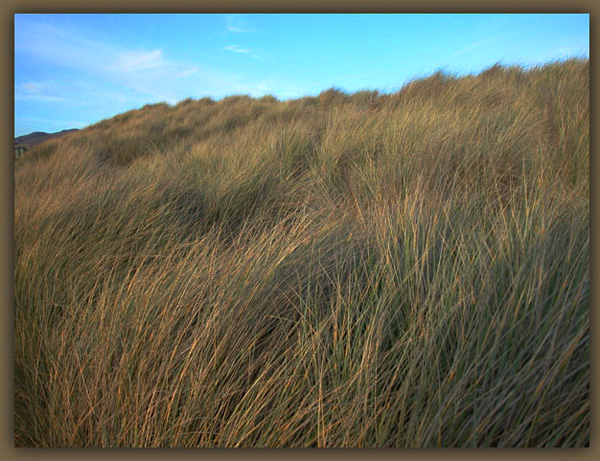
x=75 y=70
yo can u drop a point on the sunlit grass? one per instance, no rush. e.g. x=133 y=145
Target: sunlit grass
x=363 y=270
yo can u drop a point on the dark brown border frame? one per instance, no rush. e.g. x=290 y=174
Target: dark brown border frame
x=11 y=7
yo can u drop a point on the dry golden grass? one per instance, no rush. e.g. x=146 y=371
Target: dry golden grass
x=362 y=270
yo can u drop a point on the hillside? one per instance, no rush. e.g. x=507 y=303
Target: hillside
x=38 y=137
x=365 y=270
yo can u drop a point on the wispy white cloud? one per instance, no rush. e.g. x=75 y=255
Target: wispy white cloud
x=238 y=24
x=38 y=97
x=34 y=87
x=239 y=49
x=270 y=86
x=68 y=122
x=187 y=73
x=570 y=51
x=89 y=75
x=38 y=91
x=68 y=47
x=236 y=49
x=475 y=46
x=135 y=61
x=148 y=74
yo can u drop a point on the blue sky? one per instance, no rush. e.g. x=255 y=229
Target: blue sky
x=74 y=70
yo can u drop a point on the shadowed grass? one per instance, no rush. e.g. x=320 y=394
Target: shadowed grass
x=367 y=270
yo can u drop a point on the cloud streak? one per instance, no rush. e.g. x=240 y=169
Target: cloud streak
x=570 y=51
x=236 y=49
x=239 y=49
x=39 y=97
x=38 y=91
x=151 y=74
x=237 y=24
x=144 y=71
x=78 y=73
x=137 y=61
x=475 y=46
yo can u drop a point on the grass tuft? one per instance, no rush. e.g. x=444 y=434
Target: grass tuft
x=347 y=270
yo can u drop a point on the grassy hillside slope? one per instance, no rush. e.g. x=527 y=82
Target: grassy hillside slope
x=406 y=270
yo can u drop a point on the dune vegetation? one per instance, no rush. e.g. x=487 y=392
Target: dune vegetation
x=403 y=269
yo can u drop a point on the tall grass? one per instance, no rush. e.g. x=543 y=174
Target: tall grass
x=347 y=270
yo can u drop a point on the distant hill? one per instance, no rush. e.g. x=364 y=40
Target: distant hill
x=38 y=137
